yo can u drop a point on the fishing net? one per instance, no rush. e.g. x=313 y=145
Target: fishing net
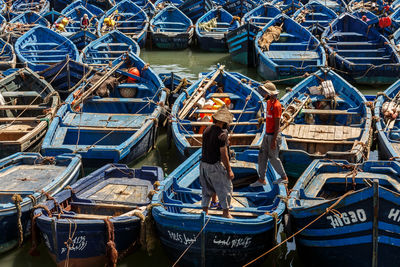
x=209 y=25
x=271 y=34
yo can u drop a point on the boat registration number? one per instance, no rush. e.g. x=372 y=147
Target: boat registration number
x=347 y=218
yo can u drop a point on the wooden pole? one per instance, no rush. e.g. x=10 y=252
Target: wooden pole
x=192 y=100
x=203 y=240
x=375 y=229
x=97 y=84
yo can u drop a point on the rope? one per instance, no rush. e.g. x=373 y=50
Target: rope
x=305 y=75
x=195 y=239
x=70 y=241
x=329 y=209
x=17 y=199
x=35 y=238
x=111 y=251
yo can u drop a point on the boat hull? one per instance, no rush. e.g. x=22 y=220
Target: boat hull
x=237 y=249
x=331 y=238
x=212 y=43
x=241 y=44
x=88 y=246
x=93 y=157
x=171 y=41
x=9 y=218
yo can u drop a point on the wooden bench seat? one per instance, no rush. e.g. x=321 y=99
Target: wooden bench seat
x=325 y=133
x=328 y=112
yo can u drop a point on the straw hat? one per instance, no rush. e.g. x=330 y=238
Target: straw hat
x=269 y=88
x=223 y=115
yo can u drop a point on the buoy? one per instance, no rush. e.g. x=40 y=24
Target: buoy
x=133 y=71
x=60 y=27
x=64 y=21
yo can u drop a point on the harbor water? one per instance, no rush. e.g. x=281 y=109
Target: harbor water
x=187 y=63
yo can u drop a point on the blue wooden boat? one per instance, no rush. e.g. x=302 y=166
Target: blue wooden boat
x=59 y=5
x=395 y=19
x=27 y=106
x=160 y=4
x=241 y=40
x=315 y=17
x=372 y=19
x=287 y=7
x=194 y=9
x=74 y=21
x=171 y=29
x=296 y=51
x=387 y=125
x=21 y=6
x=240 y=7
x=7 y=56
x=361 y=227
x=24 y=22
x=325 y=117
x=82 y=38
x=27 y=179
x=338 y=6
x=129 y=19
x=52 y=16
x=111 y=128
x=241 y=44
x=41 y=47
x=261 y=15
x=66 y=76
x=361 y=52
x=189 y=119
x=395 y=4
x=223 y=242
x=98 y=12
x=212 y=27
x=396 y=40
x=103 y=51
x=146 y=6
x=175 y=84
x=111 y=200
x=377 y=7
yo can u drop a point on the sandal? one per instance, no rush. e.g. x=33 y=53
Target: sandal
x=215 y=205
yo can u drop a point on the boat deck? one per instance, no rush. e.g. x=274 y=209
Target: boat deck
x=322 y=132
x=30 y=178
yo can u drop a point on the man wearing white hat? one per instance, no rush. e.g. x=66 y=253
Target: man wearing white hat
x=269 y=149
x=215 y=171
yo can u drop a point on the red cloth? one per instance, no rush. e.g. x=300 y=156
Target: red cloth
x=274 y=110
x=386 y=8
x=84 y=22
x=385 y=22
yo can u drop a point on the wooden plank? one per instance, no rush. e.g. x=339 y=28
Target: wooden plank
x=318 y=141
x=230 y=135
x=211 y=111
x=19 y=119
x=235 y=202
x=197 y=94
x=200 y=123
x=331 y=133
x=22 y=107
x=327 y=112
x=339 y=133
x=118 y=192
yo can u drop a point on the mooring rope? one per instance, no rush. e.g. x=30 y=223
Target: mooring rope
x=329 y=209
x=195 y=239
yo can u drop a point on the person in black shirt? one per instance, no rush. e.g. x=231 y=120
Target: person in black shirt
x=215 y=171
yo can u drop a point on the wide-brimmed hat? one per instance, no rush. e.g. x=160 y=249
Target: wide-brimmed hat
x=223 y=115
x=269 y=88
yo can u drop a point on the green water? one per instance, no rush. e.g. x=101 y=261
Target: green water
x=187 y=63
